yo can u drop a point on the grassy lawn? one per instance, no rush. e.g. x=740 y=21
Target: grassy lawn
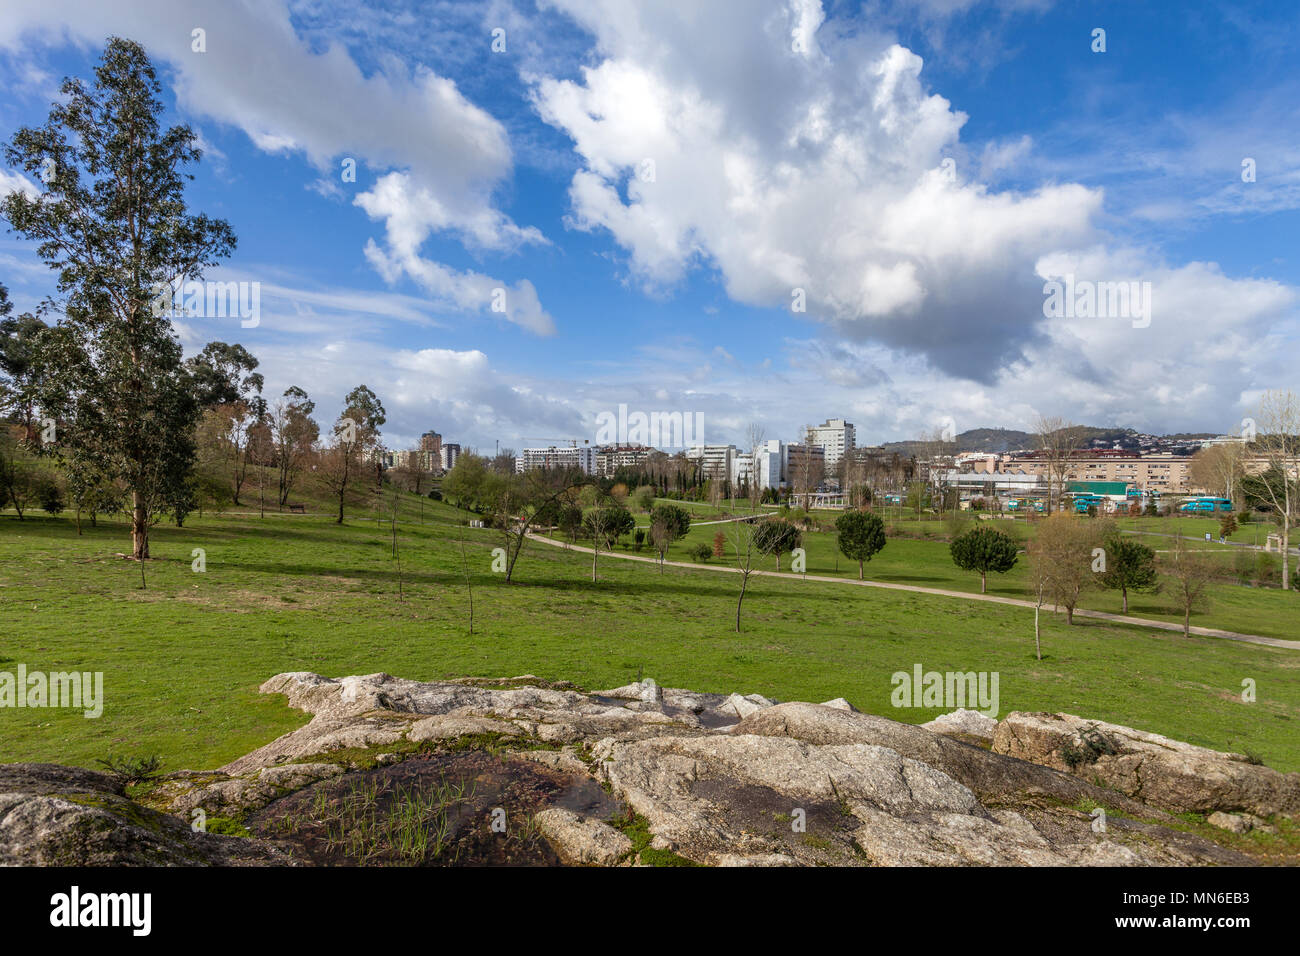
x=182 y=659
x=920 y=557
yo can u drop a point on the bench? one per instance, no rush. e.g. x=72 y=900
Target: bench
x=298 y=509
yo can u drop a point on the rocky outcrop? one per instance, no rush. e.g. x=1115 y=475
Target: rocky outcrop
x=1170 y=774
x=580 y=839
x=633 y=775
x=65 y=816
x=964 y=725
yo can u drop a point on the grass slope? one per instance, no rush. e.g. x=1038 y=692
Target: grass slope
x=182 y=659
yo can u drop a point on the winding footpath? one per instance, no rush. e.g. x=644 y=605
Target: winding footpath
x=939 y=592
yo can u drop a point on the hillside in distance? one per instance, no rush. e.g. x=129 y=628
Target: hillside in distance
x=997 y=440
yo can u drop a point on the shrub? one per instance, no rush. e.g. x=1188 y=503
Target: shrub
x=51 y=497
x=701 y=552
x=129 y=770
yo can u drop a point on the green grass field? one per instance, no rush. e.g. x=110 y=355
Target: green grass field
x=183 y=658
x=921 y=558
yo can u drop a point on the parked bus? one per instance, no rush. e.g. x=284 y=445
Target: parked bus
x=1206 y=505
x=1083 y=502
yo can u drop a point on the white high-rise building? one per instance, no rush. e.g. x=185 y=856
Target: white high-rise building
x=769 y=463
x=836 y=436
x=715 y=461
x=558 y=457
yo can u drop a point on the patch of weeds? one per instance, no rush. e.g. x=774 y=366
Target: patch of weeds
x=227 y=827
x=816 y=842
x=375 y=822
x=841 y=803
x=637 y=829
x=123 y=810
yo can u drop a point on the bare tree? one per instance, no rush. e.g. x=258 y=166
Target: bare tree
x=341 y=461
x=1062 y=559
x=741 y=533
x=1057 y=442
x=518 y=501
x=1218 y=468
x=755 y=488
x=662 y=534
x=1277 y=426
x=809 y=469
x=1192 y=573
x=293 y=435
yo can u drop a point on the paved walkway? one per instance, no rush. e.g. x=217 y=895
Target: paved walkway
x=941 y=592
x=1188 y=537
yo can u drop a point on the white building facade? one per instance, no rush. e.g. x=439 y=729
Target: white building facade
x=556 y=457
x=836 y=437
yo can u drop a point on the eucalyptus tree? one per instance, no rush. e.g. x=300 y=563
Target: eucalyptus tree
x=113 y=223
x=18 y=338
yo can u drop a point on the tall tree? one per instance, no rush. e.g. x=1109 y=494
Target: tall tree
x=293 y=434
x=1278 y=442
x=113 y=223
x=1057 y=442
x=1218 y=469
x=224 y=375
x=19 y=336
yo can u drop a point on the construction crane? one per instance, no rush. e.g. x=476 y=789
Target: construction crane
x=573 y=442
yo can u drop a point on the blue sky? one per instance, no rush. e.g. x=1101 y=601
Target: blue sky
x=775 y=169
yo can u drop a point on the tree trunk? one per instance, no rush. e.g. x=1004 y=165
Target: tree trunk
x=860 y=571
x=1286 y=550
x=139 y=528
x=1038 y=646
x=983 y=581
x=1187 y=620
x=1124 y=592
x=1069 y=614
x=744 y=581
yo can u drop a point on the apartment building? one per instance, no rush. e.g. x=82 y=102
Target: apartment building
x=835 y=437
x=1159 y=472
x=805 y=466
x=716 y=462
x=610 y=458
x=583 y=457
x=448 y=454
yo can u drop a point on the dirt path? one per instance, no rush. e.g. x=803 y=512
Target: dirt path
x=941 y=592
